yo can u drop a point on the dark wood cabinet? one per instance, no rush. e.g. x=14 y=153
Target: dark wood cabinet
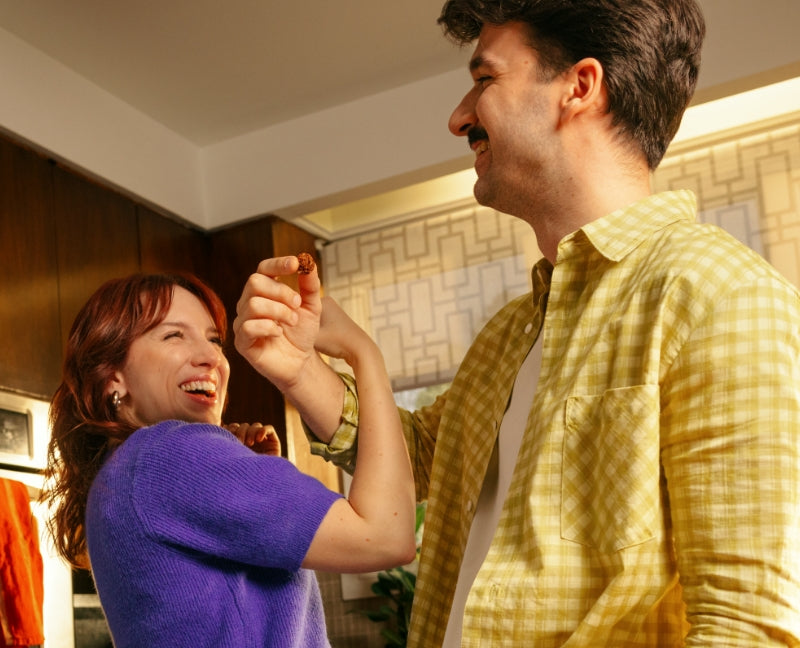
x=166 y=245
x=30 y=343
x=97 y=239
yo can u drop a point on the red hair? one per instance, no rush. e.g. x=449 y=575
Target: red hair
x=82 y=417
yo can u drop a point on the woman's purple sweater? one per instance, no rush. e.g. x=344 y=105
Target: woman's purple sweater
x=195 y=540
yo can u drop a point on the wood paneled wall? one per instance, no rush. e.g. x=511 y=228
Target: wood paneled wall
x=30 y=337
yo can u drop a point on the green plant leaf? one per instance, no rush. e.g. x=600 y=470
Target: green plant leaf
x=393 y=638
x=383 y=587
x=407 y=579
x=389 y=577
x=421 y=506
x=376 y=615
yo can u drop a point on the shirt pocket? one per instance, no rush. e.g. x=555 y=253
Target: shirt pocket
x=610 y=475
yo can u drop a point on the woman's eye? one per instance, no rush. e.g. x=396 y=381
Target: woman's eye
x=173 y=334
x=217 y=341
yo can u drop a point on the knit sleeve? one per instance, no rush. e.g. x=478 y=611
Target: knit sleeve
x=197 y=487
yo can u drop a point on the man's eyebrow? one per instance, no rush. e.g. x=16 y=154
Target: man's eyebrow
x=476 y=62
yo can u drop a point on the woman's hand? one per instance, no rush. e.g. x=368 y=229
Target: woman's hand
x=260 y=438
x=276 y=327
x=276 y=330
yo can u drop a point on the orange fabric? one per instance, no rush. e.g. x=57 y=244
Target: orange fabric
x=21 y=568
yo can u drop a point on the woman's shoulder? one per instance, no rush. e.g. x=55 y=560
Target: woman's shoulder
x=176 y=438
x=181 y=429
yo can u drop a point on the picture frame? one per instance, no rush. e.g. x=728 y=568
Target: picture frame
x=24 y=432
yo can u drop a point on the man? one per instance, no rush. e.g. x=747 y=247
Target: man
x=616 y=462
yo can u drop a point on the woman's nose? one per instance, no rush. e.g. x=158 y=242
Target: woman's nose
x=463 y=117
x=208 y=353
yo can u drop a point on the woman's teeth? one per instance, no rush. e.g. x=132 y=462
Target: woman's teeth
x=203 y=386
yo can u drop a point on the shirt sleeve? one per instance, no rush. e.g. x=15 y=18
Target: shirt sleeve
x=341 y=450
x=731 y=427
x=196 y=486
x=419 y=428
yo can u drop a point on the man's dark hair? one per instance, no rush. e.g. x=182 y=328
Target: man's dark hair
x=649 y=50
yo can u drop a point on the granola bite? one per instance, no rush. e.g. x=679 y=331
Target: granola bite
x=306 y=263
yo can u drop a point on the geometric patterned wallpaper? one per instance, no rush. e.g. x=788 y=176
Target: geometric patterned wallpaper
x=423 y=289
x=749 y=185
x=427 y=343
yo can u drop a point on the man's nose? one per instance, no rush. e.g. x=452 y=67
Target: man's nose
x=463 y=117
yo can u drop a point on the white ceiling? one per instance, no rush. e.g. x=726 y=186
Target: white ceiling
x=212 y=69
x=231 y=74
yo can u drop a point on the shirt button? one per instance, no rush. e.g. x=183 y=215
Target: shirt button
x=469 y=506
x=528 y=328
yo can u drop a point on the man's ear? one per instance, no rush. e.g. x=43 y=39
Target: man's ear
x=584 y=89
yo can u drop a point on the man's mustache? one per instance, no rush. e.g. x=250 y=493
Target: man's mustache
x=476 y=134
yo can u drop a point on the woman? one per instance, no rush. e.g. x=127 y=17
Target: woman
x=193 y=538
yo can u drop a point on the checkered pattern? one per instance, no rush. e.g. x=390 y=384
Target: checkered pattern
x=656 y=497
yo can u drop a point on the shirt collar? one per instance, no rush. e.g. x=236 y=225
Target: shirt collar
x=541 y=275
x=620 y=232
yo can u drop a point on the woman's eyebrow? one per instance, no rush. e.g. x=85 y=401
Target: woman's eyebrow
x=180 y=324
x=171 y=323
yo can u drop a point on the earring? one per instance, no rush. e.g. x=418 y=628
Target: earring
x=115 y=400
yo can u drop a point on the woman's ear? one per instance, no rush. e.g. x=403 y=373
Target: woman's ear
x=585 y=90
x=116 y=384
